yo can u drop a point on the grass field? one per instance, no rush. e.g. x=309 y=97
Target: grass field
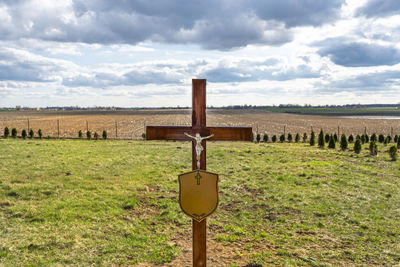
x=77 y=202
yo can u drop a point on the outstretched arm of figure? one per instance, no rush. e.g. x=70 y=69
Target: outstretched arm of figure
x=188 y=135
x=207 y=137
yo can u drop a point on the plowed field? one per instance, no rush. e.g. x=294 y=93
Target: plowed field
x=130 y=124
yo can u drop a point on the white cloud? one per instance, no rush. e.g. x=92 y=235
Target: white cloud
x=210 y=24
x=138 y=53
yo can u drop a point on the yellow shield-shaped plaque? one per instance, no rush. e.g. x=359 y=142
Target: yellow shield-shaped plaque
x=198 y=194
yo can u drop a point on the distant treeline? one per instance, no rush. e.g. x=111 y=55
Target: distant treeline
x=284 y=108
x=306 y=106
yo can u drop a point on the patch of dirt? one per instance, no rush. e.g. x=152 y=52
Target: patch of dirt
x=262 y=207
x=272 y=214
x=218 y=253
x=142 y=209
x=252 y=191
x=153 y=188
x=300 y=232
x=234 y=205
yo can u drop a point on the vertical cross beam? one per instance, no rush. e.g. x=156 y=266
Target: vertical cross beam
x=199 y=124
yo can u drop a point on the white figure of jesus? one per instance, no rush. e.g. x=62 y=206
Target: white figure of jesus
x=199 y=147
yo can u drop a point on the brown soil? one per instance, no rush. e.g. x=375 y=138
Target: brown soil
x=218 y=254
x=131 y=124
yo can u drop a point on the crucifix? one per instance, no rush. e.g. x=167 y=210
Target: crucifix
x=202 y=180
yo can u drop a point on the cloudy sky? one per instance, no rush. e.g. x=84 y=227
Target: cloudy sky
x=145 y=53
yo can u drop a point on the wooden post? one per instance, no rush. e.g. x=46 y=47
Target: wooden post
x=87 y=126
x=391 y=130
x=116 y=130
x=365 y=130
x=133 y=128
x=338 y=132
x=199 y=122
x=28 y=126
x=284 y=130
x=58 y=128
x=199 y=126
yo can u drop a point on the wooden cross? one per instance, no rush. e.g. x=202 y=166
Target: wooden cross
x=199 y=126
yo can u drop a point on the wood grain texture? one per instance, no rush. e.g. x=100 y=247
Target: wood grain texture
x=199 y=243
x=199 y=125
x=199 y=103
x=168 y=133
x=177 y=133
x=231 y=133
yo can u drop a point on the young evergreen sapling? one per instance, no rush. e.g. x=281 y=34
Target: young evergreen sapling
x=14 y=133
x=258 y=138
x=297 y=138
x=357 y=146
x=332 y=143
x=373 y=148
x=343 y=142
x=393 y=153
x=290 y=137
x=312 y=139
x=6 y=132
x=327 y=138
x=321 y=141
x=23 y=134
x=373 y=137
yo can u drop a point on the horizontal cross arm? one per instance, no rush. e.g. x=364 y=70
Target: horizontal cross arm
x=231 y=133
x=167 y=132
x=219 y=133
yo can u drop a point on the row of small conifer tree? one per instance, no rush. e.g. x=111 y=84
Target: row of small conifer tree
x=95 y=135
x=31 y=134
x=325 y=138
x=332 y=139
x=24 y=133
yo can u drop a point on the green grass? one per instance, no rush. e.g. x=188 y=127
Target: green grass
x=78 y=202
